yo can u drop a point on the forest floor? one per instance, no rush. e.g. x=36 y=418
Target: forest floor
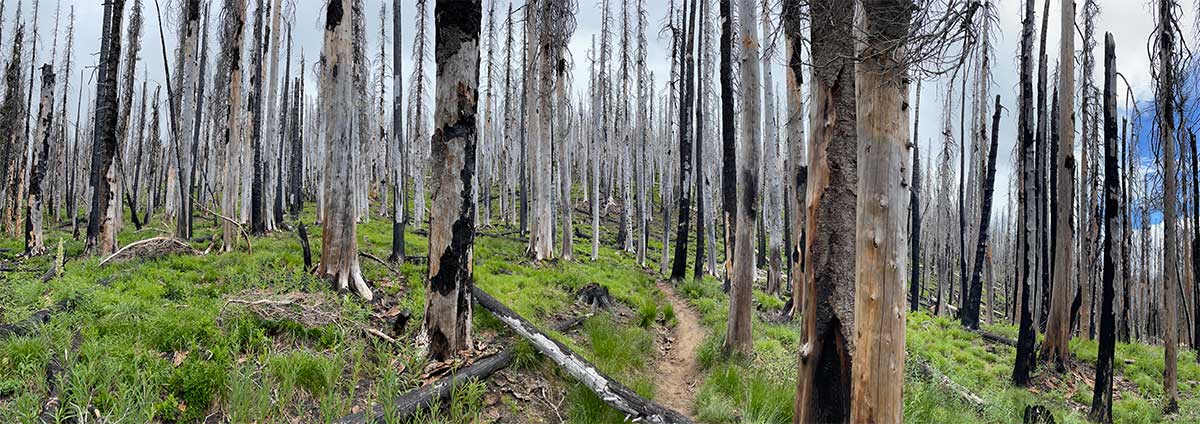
x=179 y=338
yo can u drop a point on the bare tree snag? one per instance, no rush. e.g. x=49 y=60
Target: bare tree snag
x=35 y=240
x=738 y=337
x=970 y=314
x=881 y=83
x=234 y=12
x=615 y=394
x=1055 y=347
x=827 y=340
x=339 y=243
x=1102 y=391
x=452 y=217
x=102 y=225
x=1025 y=360
x=797 y=167
x=1165 y=105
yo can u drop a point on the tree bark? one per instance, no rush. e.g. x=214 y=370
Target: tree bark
x=686 y=108
x=35 y=240
x=339 y=242
x=970 y=313
x=231 y=63
x=1166 y=121
x=1027 y=336
x=1102 y=392
x=827 y=341
x=797 y=167
x=914 y=211
x=1055 y=347
x=396 y=145
x=452 y=218
x=882 y=205
x=738 y=337
x=102 y=225
x=728 y=138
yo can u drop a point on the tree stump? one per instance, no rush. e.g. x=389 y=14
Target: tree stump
x=596 y=296
x=1037 y=414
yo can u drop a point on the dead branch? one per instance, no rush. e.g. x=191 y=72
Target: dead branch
x=150 y=248
x=971 y=399
x=241 y=229
x=381 y=262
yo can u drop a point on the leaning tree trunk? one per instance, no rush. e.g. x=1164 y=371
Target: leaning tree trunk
x=824 y=381
x=970 y=313
x=1058 y=331
x=1102 y=392
x=452 y=217
x=1026 y=233
x=102 y=225
x=738 y=338
x=339 y=247
x=881 y=81
x=35 y=240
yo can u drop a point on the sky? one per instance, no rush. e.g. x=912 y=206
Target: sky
x=1130 y=21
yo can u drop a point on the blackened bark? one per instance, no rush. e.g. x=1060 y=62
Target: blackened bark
x=452 y=219
x=698 y=270
x=101 y=230
x=1026 y=336
x=687 y=97
x=400 y=217
x=914 y=210
x=728 y=136
x=1102 y=393
x=1040 y=193
x=970 y=314
x=258 y=218
x=35 y=243
x=297 y=172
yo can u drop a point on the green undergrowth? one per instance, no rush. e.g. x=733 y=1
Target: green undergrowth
x=985 y=368
x=156 y=339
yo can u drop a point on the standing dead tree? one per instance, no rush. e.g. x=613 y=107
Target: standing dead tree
x=452 y=218
x=339 y=247
x=1102 y=392
x=35 y=240
x=102 y=225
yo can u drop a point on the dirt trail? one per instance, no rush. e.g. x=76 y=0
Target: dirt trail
x=678 y=376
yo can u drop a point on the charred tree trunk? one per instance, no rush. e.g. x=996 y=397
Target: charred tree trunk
x=738 y=338
x=728 y=138
x=452 y=219
x=398 y=147
x=1102 y=392
x=1027 y=245
x=231 y=63
x=914 y=211
x=102 y=223
x=970 y=313
x=797 y=168
x=824 y=382
x=686 y=108
x=35 y=240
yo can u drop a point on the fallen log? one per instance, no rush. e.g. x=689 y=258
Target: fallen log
x=419 y=399
x=27 y=327
x=971 y=399
x=996 y=338
x=150 y=248
x=615 y=394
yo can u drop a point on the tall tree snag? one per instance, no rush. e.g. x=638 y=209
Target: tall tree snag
x=339 y=243
x=452 y=217
x=1102 y=391
x=880 y=270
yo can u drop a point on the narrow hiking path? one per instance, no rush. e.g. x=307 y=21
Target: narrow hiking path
x=678 y=376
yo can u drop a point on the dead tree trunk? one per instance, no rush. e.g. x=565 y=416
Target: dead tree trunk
x=189 y=98
x=686 y=105
x=1102 y=392
x=35 y=240
x=970 y=314
x=728 y=138
x=1055 y=347
x=1026 y=233
x=102 y=225
x=824 y=381
x=231 y=65
x=1166 y=108
x=452 y=218
x=613 y=393
x=738 y=338
x=339 y=246
x=797 y=167
x=396 y=144
x=881 y=83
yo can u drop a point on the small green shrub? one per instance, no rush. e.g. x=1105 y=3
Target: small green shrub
x=195 y=384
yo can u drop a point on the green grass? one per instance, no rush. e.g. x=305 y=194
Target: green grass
x=134 y=318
